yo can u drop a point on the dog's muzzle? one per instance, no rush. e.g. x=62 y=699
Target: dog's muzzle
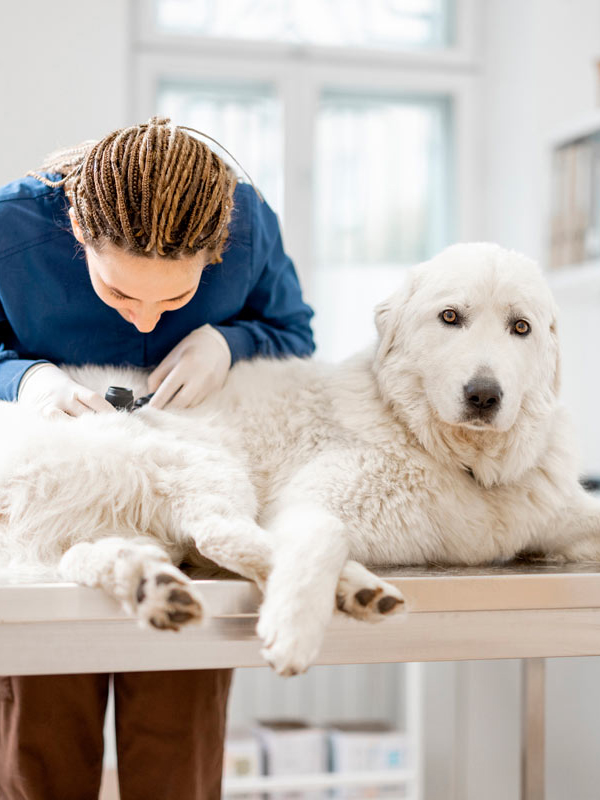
x=482 y=397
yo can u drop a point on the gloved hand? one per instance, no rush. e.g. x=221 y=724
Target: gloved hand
x=47 y=388
x=198 y=365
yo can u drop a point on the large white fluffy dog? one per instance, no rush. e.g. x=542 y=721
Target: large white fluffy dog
x=445 y=443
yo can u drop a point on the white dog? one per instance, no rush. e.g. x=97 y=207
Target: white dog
x=444 y=444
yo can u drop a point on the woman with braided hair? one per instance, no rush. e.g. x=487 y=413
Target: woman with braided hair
x=139 y=249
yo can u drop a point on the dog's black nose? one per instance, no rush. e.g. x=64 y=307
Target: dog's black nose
x=483 y=394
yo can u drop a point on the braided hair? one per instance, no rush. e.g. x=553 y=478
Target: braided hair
x=151 y=189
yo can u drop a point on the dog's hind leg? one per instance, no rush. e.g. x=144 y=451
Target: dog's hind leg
x=363 y=595
x=226 y=535
x=140 y=575
x=238 y=544
x=243 y=547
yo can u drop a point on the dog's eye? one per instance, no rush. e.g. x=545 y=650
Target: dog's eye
x=521 y=327
x=450 y=317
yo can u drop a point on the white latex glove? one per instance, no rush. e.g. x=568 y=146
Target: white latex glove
x=47 y=388
x=198 y=365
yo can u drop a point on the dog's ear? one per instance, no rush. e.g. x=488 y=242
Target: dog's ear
x=388 y=315
x=386 y=327
x=382 y=312
x=555 y=350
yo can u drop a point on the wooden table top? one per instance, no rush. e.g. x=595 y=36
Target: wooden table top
x=517 y=610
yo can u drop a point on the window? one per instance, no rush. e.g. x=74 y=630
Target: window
x=380 y=203
x=247 y=117
x=387 y=24
x=364 y=153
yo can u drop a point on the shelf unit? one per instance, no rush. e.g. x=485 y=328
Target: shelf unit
x=575 y=284
x=266 y=784
x=407 y=781
x=578 y=129
x=574 y=218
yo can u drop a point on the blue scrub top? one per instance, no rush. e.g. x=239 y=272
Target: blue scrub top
x=50 y=311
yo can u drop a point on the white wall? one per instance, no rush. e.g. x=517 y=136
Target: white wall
x=64 y=68
x=538 y=76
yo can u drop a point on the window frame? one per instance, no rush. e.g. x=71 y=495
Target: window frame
x=298 y=73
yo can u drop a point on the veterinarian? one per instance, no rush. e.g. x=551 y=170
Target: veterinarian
x=139 y=249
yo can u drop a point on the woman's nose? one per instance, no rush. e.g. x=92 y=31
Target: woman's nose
x=144 y=320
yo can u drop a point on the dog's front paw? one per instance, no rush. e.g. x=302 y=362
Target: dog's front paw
x=166 y=600
x=291 y=642
x=362 y=595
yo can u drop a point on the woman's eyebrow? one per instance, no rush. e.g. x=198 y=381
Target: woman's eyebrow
x=127 y=297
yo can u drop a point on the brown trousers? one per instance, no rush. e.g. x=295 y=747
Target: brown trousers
x=169 y=728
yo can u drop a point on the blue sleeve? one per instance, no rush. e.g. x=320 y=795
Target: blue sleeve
x=275 y=321
x=12 y=368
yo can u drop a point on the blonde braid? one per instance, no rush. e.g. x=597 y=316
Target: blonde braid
x=151 y=189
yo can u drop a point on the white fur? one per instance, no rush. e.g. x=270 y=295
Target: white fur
x=295 y=467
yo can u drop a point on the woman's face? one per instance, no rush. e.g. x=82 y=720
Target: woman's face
x=141 y=288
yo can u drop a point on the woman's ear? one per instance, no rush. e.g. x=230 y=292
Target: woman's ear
x=77 y=232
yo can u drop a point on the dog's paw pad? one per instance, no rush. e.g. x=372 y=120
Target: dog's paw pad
x=164 y=577
x=364 y=596
x=388 y=603
x=180 y=616
x=180 y=596
x=162 y=624
x=167 y=601
x=372 y=602
x=140 y=594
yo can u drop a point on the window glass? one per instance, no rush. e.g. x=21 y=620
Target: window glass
x=387 y=24
x=381 y=204
x=245 y=118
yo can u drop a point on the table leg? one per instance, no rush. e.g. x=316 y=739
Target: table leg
x=533 y=707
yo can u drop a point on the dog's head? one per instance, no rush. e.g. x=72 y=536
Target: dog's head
x=469 y=343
